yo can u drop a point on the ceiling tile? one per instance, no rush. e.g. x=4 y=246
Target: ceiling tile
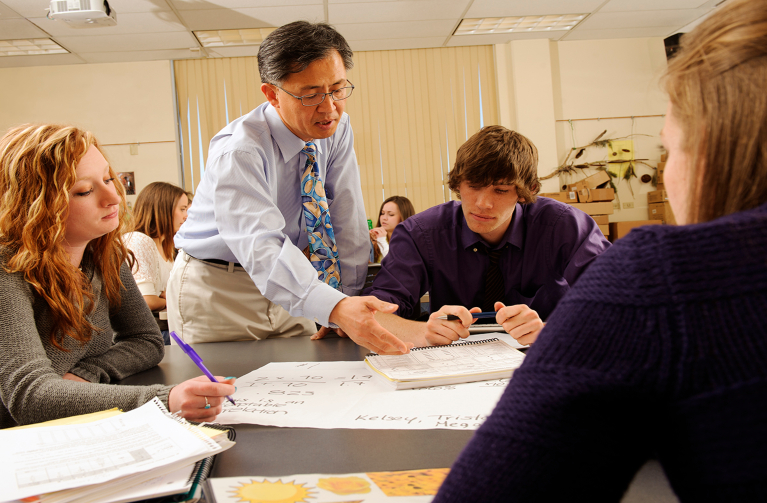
x=133 y=42
x=41 y=60
x=19 y=28
x=129 y=6
x=383 y=31
x=220 y=19
x=396 y=44
x=233 y=52
x=638 y=5
x=8 y=13
x=503 y=8
x=655 y=31
x=502 y=38
x=115 y=57
x=643 y=19
x=29 y=8
x=128 y=23
x=151 y=30
x=332 y=2
x=237 y=4
x=370 y=12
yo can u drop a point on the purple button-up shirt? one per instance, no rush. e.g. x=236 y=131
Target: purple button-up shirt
x=546 y=247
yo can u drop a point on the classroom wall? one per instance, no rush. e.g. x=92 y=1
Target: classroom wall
x=543 y=85
x=123 y=104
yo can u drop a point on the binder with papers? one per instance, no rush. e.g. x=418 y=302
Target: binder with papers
x=118 y=457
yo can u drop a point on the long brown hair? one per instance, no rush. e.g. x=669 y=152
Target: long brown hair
x=153 y=213
x=37 y=169
x=716 y=84
x=406 y=210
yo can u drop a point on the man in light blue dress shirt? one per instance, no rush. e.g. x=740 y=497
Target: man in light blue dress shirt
x=241 y=273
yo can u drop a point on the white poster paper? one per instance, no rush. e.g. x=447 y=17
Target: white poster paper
x=349 y=395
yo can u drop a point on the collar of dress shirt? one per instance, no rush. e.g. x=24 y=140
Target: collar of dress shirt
x=514 y=235
x=290 y=145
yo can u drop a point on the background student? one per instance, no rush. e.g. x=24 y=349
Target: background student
x=393 y=211
x=73 y=320
x=660 y=349
x=159 y=211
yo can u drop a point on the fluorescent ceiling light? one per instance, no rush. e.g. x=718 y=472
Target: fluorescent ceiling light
x=483 y=26
x=25 y=47
x=225 y=38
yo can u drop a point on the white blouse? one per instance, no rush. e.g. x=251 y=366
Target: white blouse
x=150 y=271
x=383 y=245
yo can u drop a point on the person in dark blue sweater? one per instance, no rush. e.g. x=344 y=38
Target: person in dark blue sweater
x=660 y=348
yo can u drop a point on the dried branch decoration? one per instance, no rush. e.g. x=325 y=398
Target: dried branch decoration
x=569 y=166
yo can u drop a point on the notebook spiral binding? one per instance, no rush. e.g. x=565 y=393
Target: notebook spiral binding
x=465 y=343
x=203 y=467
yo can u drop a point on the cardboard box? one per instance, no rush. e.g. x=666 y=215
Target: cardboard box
x=596 y=195
x=620 y=229
x=663 y=157
x=601 y=219
x=564 y=197
x=660 y=186
x=657 y=196
x=661 y=212
x=595 y=180
x=590 y=182
x=605 y=230
x=661 y=166
x=603 y=208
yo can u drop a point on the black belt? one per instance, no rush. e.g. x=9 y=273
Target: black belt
x=219 y=262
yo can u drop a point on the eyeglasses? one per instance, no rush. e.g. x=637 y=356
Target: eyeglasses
x=312 y=100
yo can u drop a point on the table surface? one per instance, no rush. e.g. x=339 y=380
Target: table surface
x=275 y=451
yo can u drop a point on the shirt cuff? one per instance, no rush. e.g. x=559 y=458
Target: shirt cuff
x=320 y=303
x=146 y=288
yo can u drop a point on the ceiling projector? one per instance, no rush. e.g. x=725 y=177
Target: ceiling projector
x=83 y=13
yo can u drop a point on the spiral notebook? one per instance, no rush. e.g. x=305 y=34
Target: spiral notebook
x=452 y=364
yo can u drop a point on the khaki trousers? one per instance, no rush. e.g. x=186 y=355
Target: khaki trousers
x=215 y=303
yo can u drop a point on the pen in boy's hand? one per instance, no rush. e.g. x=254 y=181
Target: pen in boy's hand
x=197 y=360
x=452 y=317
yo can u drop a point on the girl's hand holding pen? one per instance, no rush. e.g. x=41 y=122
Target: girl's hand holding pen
x=199 y=399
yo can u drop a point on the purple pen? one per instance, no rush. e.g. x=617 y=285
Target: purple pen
x=196 y=359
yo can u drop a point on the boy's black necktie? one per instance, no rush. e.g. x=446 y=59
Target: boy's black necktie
x=494 y=288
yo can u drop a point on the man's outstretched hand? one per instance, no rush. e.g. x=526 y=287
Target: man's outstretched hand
x=356 y=318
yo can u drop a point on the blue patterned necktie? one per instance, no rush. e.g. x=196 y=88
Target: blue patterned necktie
x=323 y=252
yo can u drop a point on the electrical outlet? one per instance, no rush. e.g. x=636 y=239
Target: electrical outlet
x=615 y=205
x=626 y=206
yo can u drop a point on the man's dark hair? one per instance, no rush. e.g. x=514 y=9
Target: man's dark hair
x=497 y=156
x=292 y=47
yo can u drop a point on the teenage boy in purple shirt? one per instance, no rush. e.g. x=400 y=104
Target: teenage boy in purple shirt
x=544 y=246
